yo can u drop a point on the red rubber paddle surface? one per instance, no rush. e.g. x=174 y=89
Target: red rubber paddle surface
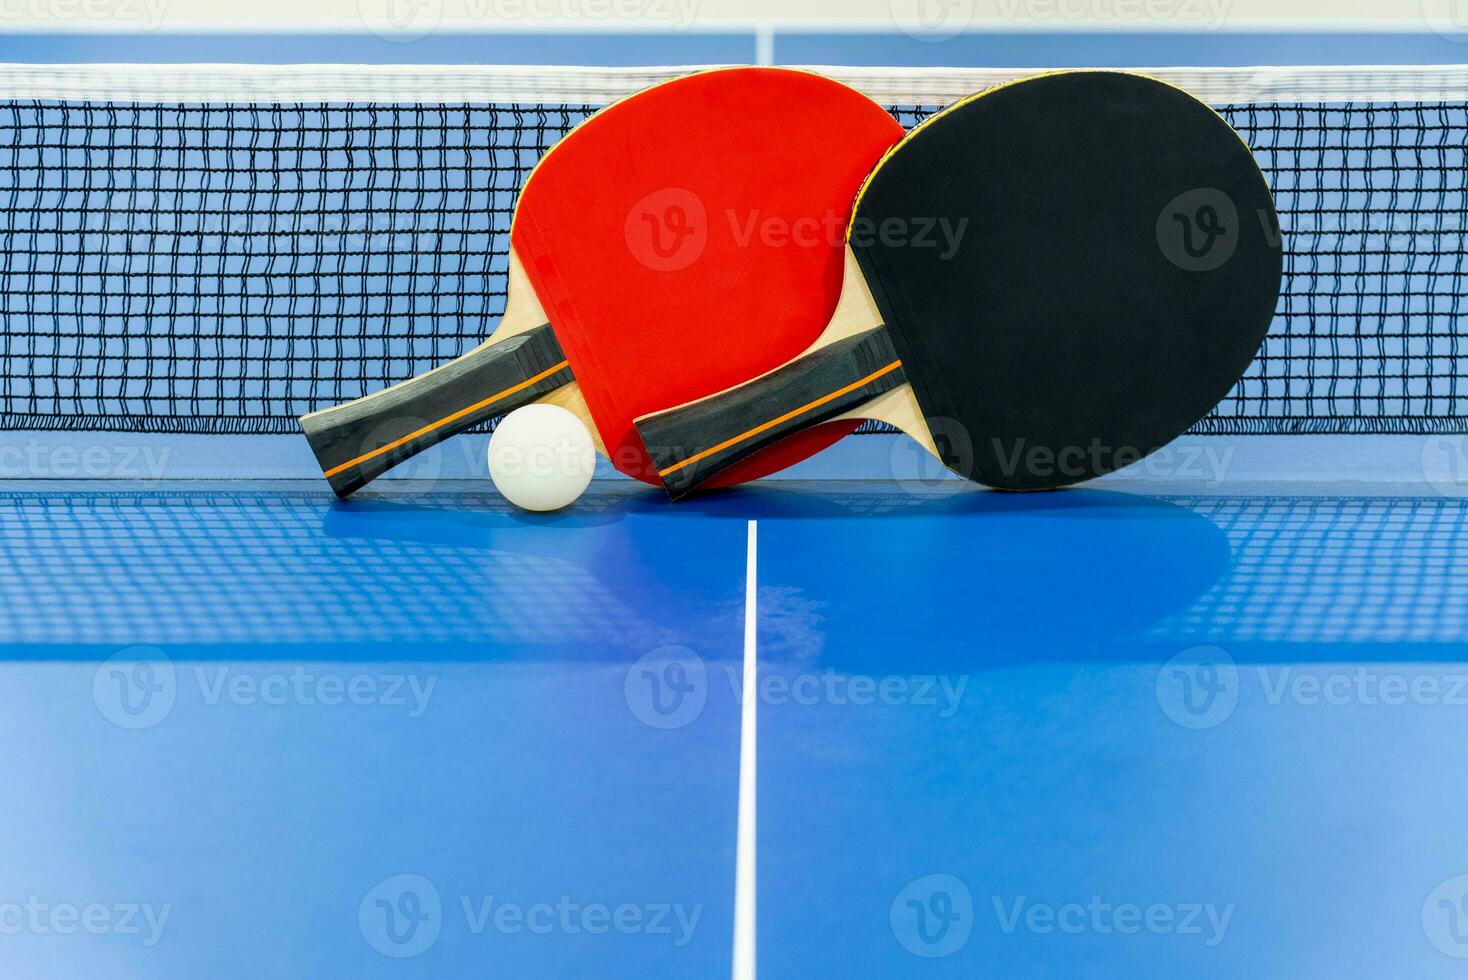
x=691 y=237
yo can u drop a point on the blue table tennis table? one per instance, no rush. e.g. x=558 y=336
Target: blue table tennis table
x=253 y=732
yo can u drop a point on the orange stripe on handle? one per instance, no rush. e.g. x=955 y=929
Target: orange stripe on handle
x=808 y=406
x=447 y=419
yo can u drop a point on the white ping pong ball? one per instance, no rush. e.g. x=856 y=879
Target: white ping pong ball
x=541 y=457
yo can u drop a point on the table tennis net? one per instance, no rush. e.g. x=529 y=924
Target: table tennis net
x=220 y=250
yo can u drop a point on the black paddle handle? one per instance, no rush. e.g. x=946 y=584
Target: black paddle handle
x=692 y=443
x=361 y=440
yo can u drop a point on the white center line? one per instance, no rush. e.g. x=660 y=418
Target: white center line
x=744 y=864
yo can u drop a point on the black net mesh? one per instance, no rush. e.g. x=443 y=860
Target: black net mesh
x=216 y=268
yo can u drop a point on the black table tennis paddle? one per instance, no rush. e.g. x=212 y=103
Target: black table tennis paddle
x=1044 y=282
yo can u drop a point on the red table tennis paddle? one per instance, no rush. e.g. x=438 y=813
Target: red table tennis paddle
x=1045 y=282
x=679 y=241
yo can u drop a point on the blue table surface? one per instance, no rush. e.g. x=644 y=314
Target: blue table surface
x=254 y=732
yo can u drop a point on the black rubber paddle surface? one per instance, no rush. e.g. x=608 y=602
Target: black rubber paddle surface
x=1117 y=267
